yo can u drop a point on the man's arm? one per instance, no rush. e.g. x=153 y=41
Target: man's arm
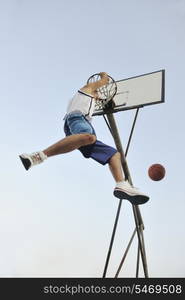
x=91 y=88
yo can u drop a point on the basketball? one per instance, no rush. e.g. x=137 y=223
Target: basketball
x=156 y=172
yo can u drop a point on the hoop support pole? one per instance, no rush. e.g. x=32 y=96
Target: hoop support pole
x=136 y=211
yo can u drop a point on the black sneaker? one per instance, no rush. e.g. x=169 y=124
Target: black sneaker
x=32 y=159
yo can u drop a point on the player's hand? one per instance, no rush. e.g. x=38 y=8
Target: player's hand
x=103 y=74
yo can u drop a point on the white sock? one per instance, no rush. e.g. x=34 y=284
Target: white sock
x=119 y=183
x=42 y=155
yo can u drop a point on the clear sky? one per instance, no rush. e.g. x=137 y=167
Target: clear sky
x=57 y=218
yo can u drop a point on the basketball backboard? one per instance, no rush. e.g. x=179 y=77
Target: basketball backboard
x=137 y=92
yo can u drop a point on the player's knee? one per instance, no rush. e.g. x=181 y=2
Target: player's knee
x=116 y=156
x=88 y=139
x=92 y=139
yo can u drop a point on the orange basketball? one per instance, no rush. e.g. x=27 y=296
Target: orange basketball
x=156 y=172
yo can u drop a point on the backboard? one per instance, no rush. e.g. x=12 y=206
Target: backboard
x=137 y=92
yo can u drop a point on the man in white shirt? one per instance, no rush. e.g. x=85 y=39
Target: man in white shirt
x=81 y=135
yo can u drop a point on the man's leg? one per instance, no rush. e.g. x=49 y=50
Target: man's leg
x=70 y=143
x=116 y=167
x=123 y=189
x=65 y=145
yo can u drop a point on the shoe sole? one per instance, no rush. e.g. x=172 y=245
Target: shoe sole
x=135 y=200
x=26 y=162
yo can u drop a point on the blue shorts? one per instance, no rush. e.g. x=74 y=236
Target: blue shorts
x=76 y=123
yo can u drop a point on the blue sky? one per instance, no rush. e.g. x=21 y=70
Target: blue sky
x=57 y=219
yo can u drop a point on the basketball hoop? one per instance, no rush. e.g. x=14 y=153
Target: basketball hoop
x=106 y=93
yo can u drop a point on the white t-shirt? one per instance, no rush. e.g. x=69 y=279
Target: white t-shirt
x=82 y=102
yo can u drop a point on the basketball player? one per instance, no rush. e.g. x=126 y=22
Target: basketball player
x=81 y=135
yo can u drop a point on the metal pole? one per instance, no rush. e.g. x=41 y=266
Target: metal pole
x=131 y=133
x=112 y=239
x=137 y=214
x=125 y=254
x=137 y=265
x=139 y=230
x=119 y=147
